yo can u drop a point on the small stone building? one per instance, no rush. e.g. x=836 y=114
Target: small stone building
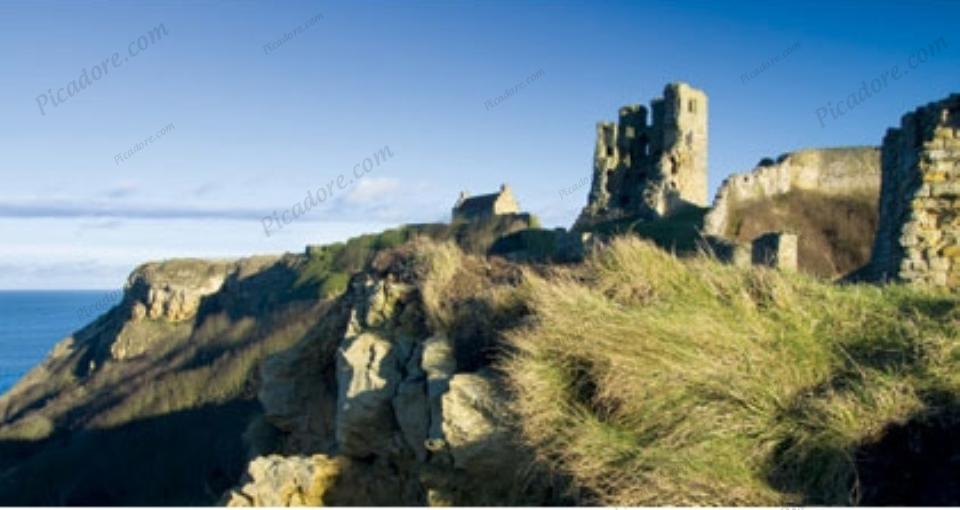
x=481 y=207
x=918 y=233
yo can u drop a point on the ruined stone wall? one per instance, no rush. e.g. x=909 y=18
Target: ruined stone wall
x=649 y=168
x=835 y=171
x=918 y=235
x=775 y=249
x=778 y=250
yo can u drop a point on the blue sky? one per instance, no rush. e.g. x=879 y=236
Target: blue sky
x=255 y=128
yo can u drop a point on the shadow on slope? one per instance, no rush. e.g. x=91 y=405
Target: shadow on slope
x=678 y=233
x=183 y=458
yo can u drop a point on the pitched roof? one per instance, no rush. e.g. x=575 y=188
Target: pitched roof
x=478 y=204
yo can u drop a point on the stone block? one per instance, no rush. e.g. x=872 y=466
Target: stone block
x=776 y=249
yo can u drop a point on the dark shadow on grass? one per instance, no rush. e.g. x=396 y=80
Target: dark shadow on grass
x=914 y=463
x=184 y=458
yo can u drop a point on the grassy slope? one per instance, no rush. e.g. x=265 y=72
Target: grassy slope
x=657 y=381
x=96 y=438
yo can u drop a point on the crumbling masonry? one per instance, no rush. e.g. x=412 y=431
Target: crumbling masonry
x=918 y=235
x=650 y=170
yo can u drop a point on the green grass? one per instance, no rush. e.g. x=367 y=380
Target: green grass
x=328 y=268
x=652 y=380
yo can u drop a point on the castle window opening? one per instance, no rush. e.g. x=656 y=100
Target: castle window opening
x=692 y=106
x=609 y=151
x=630 y=132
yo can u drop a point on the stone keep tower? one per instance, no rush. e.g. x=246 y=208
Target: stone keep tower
x=650 y=168
x=918 y=234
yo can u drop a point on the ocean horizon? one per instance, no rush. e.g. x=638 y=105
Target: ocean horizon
x=33 y=321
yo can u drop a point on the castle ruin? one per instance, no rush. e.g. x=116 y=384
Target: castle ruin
x=649 y=168
x=918 y=234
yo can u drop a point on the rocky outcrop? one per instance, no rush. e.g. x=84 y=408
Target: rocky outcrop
x=161 y=297
x=383 y=399
x=172 y=290
x=853 y=171
x=286 y=481
x=155 y=315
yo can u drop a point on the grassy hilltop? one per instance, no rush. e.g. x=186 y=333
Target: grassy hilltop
x=655 y=381
x=633 y=377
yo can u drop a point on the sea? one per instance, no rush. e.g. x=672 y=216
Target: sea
x=33 y=321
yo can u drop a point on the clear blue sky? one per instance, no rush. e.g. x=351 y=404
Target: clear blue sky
x=254 y=129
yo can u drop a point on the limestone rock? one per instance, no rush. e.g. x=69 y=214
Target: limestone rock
x=406 y=427
x=161 y=298
x=172 y=290
x=475 y=425
x=285 y=481
x=297 y=397
x=368 y=375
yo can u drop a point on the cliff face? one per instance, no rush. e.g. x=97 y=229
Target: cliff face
x=162 y=400
x=154 y=317
x=170 y=365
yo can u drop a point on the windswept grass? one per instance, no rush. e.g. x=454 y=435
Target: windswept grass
x=652 y=380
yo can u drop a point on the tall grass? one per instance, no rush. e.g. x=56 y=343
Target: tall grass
x=655 y=381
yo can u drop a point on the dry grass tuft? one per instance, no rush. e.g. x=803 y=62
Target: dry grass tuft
x=657 y=381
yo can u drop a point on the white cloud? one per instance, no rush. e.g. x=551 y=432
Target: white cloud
x=373 y=190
